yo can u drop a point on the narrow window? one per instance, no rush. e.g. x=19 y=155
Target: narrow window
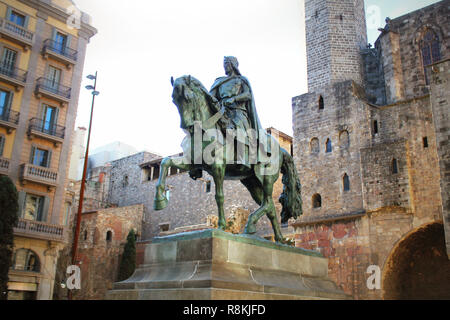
x=316 y=201
x=329 y=147
x=394 y=166
x=85 y=235
x=346 y=182
x=375 y=127
x=109 y=236
x=208 y=186
x=321 y=104
x=425 y=142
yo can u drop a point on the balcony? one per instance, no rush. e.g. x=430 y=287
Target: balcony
x=4 y=165
x=44 y=129
x=9 y=119
x=56 y=51
x=39 y=230
x=16 y=33
x=50 y=89
x=13 y=76
x=36 y=174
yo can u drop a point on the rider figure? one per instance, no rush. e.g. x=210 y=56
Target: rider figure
x=235 y=94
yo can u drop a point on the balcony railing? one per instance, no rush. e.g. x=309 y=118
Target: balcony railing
x=16 y=74
x=4 y=165
x=16 y=32
x=38 y=174
x=55 y=90
x=9 y=116
x=40 y=230
x=46 y=127
x=59 y=49
x=9 y=119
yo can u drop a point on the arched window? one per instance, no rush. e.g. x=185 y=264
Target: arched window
x=314 y=145
x=430 y=50
x=316 y=201
x=394 y=166
x=321 y=104
x=109 y=236
x=346 y=182
x=344 y=139
x=26 y=260
x=329 y=147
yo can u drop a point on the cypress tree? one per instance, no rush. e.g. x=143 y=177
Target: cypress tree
x=9 y=207
x=128 y=262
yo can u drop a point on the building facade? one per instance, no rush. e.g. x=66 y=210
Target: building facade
x=371 y=148
x=42 y=59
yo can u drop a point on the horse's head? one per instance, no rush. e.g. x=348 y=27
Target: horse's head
x=192 y=101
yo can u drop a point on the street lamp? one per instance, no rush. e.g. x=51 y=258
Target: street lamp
x=83 y=179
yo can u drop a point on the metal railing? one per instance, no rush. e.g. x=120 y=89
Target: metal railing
x=13 y=72
x=47 y=127
x=58 y=48
x=53 y=87
x=40 y=229
x=9 y=115
x=4 y=164
x=16 y=30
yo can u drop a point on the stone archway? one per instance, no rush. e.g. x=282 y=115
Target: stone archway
x=418 y=267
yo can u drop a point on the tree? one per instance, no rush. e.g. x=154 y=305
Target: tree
x=128 y=262
x=9 y=207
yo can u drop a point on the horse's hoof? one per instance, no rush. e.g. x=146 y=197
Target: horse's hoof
x=160 y=204
x=250 y=229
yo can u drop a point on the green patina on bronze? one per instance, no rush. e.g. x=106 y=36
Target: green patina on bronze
x=230 y=105
x=242 y=238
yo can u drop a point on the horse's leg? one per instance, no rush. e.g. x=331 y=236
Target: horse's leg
x=266 y=206
x=272 y=213
x=218 y=176
x=254 y=187
x=160 y=198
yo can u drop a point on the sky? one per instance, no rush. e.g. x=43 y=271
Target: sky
x=141 y=44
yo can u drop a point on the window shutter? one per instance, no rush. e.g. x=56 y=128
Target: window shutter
x=27 y=20
x=69 y=41
x=54 y=34
x=45 y=208
x=10 y=100
x=33 y=150
x=22 y=197
x=49 y=158
x=2 y=144
x=8 y=13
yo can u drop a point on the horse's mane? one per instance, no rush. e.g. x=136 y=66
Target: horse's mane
x=212 y=103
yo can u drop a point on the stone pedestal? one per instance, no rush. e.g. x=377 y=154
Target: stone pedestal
x=215 y=265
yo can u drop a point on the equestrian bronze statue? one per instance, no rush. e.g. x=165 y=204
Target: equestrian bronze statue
x=224 y=137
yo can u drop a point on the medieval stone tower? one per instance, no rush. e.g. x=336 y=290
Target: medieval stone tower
x=336 y=32
x=371 y=145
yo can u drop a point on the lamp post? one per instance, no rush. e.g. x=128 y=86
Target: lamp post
x=83 y=179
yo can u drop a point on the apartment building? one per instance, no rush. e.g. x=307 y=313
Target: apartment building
x=42 y=55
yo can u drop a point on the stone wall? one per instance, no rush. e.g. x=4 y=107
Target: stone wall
x=440 y=97
x=100 y=258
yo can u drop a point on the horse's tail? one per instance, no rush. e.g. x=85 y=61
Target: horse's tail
x=290 y=199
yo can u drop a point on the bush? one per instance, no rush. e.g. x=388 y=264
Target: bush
x=128 y=262
x=9 y=207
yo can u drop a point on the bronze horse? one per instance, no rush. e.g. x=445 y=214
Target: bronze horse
x=196 y=105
